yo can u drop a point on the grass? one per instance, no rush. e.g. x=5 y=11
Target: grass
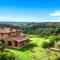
x=37 y=53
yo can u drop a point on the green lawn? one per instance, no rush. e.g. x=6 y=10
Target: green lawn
x=38 y=52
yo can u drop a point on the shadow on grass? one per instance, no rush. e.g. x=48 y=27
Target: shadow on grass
x=6 y=51
x=26 y=48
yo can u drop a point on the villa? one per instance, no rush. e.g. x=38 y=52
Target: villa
x=13 y=38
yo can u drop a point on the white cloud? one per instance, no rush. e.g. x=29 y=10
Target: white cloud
x=25 y=19
x=58 y=20
x=55 y=13
x=20 y=19
x=55 y=16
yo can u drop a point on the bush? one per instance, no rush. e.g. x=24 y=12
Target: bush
x=51 y=43
x=45 y=44
x=7 y=56
x=58 y=58
x=2 y=47
x=57 y=38
x=48 y=44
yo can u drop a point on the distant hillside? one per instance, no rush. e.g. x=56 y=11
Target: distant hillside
x=38 y=24
x=42 y=29
x=14 y=23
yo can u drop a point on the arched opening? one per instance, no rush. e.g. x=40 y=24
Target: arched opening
x=9 y=43
x=15 y=42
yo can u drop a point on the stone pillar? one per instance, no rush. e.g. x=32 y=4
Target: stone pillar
x=13 y=44
x=27 y=42
x=18 y=45
x=6 y=43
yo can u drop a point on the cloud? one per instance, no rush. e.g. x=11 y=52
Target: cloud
x=25 y=19
x=58 y=20
x=20 y=19
x=55 y=16
x=55 y=13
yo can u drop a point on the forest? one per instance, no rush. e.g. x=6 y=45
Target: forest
x=42 y=29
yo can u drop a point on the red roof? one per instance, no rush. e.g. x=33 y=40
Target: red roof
x=20 y=37
x=17 y=38
x=7 y=30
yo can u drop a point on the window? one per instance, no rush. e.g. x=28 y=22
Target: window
x=1 y=34
x=9 y=43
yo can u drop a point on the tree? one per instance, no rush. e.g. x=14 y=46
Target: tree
x=2 y=47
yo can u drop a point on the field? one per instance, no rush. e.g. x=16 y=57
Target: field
x=36 y=52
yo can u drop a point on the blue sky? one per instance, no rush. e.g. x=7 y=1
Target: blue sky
x=30 y=10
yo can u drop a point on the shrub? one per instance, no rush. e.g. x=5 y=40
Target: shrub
x=57 y=58
x=51 y=43
x=48 y=44
x=2 y=47
x=57 y=38
x=45 y=44
x=7 y=56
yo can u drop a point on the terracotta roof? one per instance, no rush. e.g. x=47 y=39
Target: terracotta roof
x=16 y=38
x=7 y=30
x=20 y=37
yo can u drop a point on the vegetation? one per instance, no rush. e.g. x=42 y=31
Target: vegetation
x=45 y=44
x=58 y=58
x=37 y=52
x=43 y=36
x=7 y=56
x=41 y=29
x=2 y=46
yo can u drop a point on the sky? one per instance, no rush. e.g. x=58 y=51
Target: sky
x=30 y=10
